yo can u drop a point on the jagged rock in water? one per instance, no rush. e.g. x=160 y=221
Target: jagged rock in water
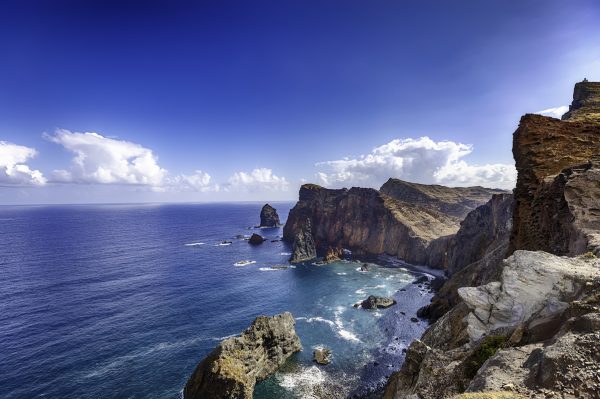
x=369 y=222
x=555 y=175
x=256 y=239
x=304 y=244
x=321 y=355
x=333 y=254
x=233 y=368
x=269 y=216
x=534 y=285
x=453 y=201
x=377 y=302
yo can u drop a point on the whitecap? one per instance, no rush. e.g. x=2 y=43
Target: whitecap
x=348 y=335
x=358 y=269
x=303 y=380
x=341 y=273
x=318 y=319
x=222 y=244
x=194 y=244
x=360 y=291
x=285 y=254
x=268 y=269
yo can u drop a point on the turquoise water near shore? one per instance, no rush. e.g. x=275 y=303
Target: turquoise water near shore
x=122 y=301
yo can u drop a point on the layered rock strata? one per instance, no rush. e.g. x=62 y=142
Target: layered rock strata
x=304 y=248
x=232 y=369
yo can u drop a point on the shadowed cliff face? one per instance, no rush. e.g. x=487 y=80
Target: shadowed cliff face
x=550 y=157
x=367 y=221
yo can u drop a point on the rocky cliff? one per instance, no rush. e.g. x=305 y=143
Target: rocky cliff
x=269 y=216
x=529 y=325
x=409 y=224
x=232 y=369
x=556 y=195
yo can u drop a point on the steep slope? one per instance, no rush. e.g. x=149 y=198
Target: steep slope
x=453 y=201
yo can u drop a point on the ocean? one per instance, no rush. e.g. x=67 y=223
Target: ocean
x=123 y=301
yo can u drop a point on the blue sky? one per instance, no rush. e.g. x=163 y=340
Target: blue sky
x=244 y=100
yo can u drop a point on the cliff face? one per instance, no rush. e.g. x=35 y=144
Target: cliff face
x=232 y=369
x=453 y=201
x=586 y=103
x=553 y=161
x=367 y=221
x=414 y=222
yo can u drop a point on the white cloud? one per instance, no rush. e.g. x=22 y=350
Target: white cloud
x=13 y=169
x=260 y=179
x=555 y=112
x=104 y=160
x=199 y=181
x=420 y=160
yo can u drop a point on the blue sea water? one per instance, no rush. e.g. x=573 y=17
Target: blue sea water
x=122 y=301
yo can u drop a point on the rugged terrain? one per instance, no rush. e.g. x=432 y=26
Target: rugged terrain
x=368 y=221
x=528 y=325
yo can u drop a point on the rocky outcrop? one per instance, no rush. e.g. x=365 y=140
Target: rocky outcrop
x=333 y=255
x=304 y=248
x=552 y=207
x=321 y=356
x=474 y=255
x=535 y=289
x=377 y=302
x=232 y=369
x=368 y=222
x=586 y=103
x=256 y=239
x=453 y=201
x=269 y=216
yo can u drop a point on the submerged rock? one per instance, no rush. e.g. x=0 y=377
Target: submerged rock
x=376 y=302
x=233 y=368
x=321 y=355
x=304 y=244
x=269 y=216
x=256 y=239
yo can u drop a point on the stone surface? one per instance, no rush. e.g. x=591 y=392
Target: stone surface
x=586 y=103
x=256 y=239
x=534 y=288
x=304 y=248
x=321 y=355
x=545 y=148
x=453 y=201
x=333 y=254
x=232 y=369
x=369 y=222
x=377 y=302
x=269 y=216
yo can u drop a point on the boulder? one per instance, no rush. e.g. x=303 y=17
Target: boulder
x=304 y=248
x=321 y=355
x=377 y=302
x=233 y=368
x=269 y=216
x=256 y=239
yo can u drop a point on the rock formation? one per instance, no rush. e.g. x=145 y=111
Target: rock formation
x=232 y=369
x=367 y=221
x=453 y=201
x=377 y=302
x=321 y=355
x=256 y=239
x=333 y=254
x=304 y=244
x=269 y=216
x=552 y=212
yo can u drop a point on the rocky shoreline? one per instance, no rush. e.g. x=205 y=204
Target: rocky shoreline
x=519 y=315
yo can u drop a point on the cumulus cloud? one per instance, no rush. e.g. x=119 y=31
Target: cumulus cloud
x=260 y=179
x=555 y=112
x=199 y=181
x=104 y=160
x=13 y=167
x=420 y=160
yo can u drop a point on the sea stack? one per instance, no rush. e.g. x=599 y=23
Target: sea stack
x=269 y=216
x=233 y=368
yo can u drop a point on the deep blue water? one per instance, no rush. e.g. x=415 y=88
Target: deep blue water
x=112 y=301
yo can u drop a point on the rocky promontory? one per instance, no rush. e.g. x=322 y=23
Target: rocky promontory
x=368 y=221
x=233 y=368
x=269 y=216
